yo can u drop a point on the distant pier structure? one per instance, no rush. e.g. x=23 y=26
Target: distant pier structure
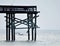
x=11 y=20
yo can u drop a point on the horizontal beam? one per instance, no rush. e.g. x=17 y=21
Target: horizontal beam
x=24 y=28
x=29 y=12
x=17 y=6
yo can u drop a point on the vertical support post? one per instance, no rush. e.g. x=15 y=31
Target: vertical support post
x=28 y=27
x=35 y=28
x=32 y=25
x=13 y=26
x=7 y=27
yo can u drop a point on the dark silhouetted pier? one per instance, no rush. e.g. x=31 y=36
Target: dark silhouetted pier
x=11 y=20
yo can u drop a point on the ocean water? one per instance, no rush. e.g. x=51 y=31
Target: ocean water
x=44 y=38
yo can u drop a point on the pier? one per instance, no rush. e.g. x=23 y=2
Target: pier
x=11 y=20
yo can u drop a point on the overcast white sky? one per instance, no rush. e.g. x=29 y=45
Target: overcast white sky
x=49 y=17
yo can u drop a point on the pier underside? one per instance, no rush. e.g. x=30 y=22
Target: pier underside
x=11 y=20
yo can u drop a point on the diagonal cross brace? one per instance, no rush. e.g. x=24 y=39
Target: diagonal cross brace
x=25 y=22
